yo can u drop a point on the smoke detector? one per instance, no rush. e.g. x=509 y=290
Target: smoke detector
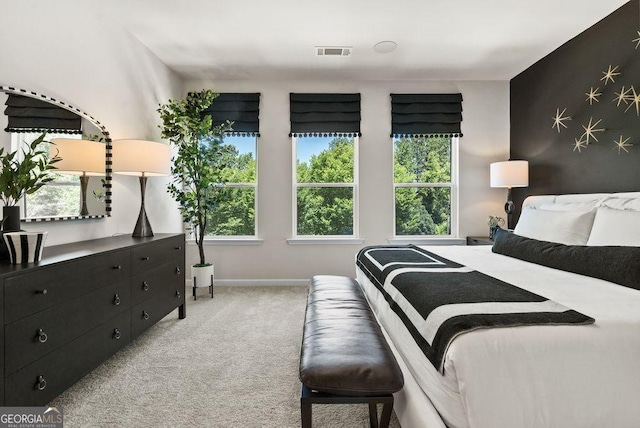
x=333 y=50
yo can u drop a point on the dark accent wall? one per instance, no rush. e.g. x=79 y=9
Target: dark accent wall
x=561 y=80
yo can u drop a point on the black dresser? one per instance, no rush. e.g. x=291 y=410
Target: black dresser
x=79 y=305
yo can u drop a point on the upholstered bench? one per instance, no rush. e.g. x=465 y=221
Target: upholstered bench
x=345 y=358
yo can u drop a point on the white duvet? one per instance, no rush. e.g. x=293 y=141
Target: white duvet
x=533 y=376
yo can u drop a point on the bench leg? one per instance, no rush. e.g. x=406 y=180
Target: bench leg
x=386 y=415
x=373 y=415
x=305 y=412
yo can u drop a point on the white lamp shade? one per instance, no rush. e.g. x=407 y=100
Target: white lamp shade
x=141 y=158
x=510 y=174
x=79 y=157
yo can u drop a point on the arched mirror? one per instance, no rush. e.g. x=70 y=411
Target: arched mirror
x=77 y=192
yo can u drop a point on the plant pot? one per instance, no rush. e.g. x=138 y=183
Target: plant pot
x=11 y=218
x=202 y=275
x=25 y=247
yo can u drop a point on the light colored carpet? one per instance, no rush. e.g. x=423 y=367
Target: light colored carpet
x=233 y=362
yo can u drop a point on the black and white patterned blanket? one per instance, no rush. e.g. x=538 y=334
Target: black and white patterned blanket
x=438 y=299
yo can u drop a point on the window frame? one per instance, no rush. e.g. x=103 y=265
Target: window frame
x=294 y=192
x=453 y=185
x=234 y=185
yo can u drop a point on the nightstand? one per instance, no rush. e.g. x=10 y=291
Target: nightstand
x=479 y=240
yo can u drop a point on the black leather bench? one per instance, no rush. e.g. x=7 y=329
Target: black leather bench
x=345 y=358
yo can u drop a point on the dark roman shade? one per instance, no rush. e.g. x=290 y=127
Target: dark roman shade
x=426 y=115
x=324 y=114
x=27 y=114
x=241 y=109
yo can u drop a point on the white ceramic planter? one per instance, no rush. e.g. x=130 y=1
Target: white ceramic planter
x=202 y=276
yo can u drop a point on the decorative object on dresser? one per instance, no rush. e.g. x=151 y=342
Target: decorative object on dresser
x=509 y=174
x=494 y=223
x=143 y=159
x=57 y=326
x=198 y=165
x=24 y=247
x=80 y=157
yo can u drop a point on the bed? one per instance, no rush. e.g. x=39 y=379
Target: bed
x=584 y=375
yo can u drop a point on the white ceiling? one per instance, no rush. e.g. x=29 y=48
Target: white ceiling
x=275 y=39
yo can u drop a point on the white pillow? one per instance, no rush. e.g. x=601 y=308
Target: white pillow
x=623 y=204
x=615 y=227
x=569 y=206
x=564 y=227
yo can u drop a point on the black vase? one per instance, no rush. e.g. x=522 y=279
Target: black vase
x=11 y=219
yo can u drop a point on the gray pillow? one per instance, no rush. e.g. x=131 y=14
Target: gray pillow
x=620 y=265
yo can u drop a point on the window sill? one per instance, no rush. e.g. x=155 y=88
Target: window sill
x=426 y=241
x=324 y=241
x=228 y=241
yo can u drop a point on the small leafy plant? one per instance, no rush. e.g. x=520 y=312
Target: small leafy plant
x=198 y=166
x=23 y=173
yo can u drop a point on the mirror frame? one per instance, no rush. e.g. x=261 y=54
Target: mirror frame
x=108 y=147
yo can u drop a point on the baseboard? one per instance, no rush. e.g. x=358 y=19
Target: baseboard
x=256 y=282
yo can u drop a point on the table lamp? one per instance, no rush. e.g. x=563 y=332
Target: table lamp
x=509 y=174
x=79 y=157
x=143 y=159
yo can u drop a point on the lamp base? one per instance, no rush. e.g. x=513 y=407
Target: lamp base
x=143 y=227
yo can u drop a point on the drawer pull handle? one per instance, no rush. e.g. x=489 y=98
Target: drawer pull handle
x=44 y=291
x=145 y=286
x=178 y=248
x=42 y=336
x=177 y=271
x=116 y=300
x=178 y=294
x=116 y=334
x=117 y=267
x=41 y=383
x=144 y=259
x=145 y=315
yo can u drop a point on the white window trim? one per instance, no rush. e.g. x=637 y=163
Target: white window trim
x=324 y=239
x=453 y=185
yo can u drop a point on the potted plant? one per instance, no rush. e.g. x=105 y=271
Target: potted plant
x=197 y=168
x=23 y=173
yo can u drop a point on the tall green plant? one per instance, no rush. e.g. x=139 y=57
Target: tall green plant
x=200 y=160
x=25 y=174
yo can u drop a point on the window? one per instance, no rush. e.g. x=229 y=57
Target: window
x=60 y=197
x=325 y=185
x=424 y=185
x=236 y=213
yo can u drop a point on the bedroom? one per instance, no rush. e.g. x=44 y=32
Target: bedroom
x=129 y=82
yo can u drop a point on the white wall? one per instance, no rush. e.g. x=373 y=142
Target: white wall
x=486 y=139
x=71 y=52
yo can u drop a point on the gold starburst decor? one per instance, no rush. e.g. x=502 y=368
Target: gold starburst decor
x=610 y=74
x=593 y=95
x=579 y=145
x=590 y=130
x=621 y=144
x=623 y=96
x=559 y=119
x=637 y=41
x=635 y=101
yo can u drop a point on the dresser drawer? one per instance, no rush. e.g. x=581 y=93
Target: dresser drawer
x=153 y=309
x=45 y=287
x=32 y=337
x=166 y=250
x=150 y=282
x=43 y=380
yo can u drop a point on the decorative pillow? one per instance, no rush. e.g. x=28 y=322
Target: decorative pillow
x=564 y=227
x=620 y=265
x=615 y=227
x=569 y=206
x=623 y=204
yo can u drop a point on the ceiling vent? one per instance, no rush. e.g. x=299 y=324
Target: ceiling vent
x=333 y=50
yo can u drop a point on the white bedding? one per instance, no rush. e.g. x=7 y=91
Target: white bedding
x=533 y=376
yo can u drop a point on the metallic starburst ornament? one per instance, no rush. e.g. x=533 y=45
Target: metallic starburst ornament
x=621 y=144
x=590 y=129
x=579 y=145
x=623 y=96
x=593 y=95
x=560 y=118
x=637 y=41
x=610 y=74
x=635 y=101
